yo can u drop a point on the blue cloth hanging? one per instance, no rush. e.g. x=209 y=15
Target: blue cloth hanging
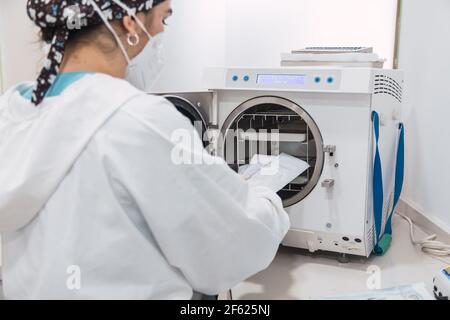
x=383 y=241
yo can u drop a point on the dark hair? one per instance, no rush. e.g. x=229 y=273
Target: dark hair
x=47 y=34
x=83 y=35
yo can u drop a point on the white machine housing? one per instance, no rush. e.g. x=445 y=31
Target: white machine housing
x=338 y=216
x=335 y=212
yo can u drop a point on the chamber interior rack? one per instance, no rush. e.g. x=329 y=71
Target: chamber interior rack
x=255 y=131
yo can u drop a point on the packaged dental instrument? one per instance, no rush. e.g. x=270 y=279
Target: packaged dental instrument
x=273 y=172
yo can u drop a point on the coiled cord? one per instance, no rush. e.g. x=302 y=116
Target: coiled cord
x=429 y=244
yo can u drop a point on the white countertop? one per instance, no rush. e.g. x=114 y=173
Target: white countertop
x=297 y=274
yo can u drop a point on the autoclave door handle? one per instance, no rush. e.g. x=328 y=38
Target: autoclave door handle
x=328 y=183
x=331 y=149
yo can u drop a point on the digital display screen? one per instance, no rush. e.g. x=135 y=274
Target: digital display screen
x=289 y=79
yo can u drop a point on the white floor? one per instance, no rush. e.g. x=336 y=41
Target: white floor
x=296 y=274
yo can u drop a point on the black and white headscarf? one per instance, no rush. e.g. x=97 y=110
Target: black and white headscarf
x=63 y=16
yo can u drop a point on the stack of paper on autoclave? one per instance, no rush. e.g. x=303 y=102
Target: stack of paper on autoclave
x=332 y=56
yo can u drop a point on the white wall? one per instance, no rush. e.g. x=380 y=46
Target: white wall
x=206 y=33
x=425 y=57
x=20 y=50
x=194 y=39
x=225 y=32
x=259 y=30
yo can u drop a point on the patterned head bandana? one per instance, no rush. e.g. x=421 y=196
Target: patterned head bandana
x=63 y=16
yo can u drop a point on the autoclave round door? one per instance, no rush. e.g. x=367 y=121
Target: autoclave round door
x=186 y=108
x=297 y=135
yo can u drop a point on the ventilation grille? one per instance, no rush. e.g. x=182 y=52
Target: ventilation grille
x=387 y=85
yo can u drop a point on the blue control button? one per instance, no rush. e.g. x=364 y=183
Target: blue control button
x=330 y=80
x=246 y=78
x=235 y=78
x=317 y=79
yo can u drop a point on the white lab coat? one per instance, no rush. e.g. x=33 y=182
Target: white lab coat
x=93 y=207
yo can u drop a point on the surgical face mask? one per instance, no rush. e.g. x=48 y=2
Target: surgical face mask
x=146 y=67
x=143 y=70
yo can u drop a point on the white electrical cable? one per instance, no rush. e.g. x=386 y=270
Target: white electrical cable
x=429 y=244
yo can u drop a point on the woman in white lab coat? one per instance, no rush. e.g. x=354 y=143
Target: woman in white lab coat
x=93 y=203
